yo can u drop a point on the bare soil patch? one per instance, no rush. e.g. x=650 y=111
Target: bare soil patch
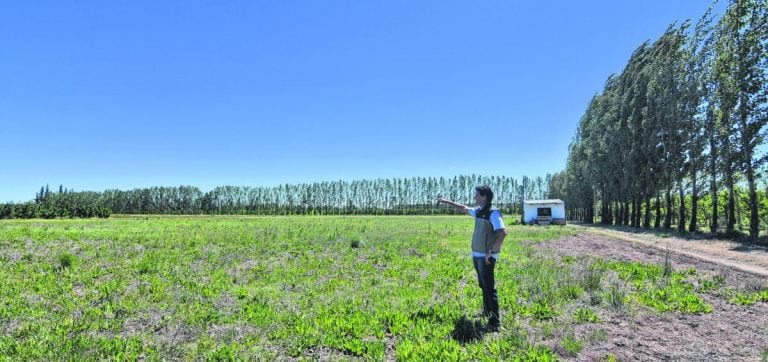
x=730 y=332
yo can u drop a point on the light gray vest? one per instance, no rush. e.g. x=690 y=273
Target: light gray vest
x=483 y=237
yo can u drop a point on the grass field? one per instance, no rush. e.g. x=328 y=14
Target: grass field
x=301 y=287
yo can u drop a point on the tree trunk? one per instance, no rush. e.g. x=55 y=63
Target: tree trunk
x=681 y=219
x=647 y=221
x=608 y=214
x=713 y=183
x=668 y=215
x=754 y=222
x=731 y=205
x=738 y=208
x=694 y=200
x=657 y=222
x=620 y=214
x=627 y=213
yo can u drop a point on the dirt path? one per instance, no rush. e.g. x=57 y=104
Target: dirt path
x=731 y=332
x=749 y=258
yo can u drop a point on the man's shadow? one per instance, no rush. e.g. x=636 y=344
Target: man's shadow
x=467 y=330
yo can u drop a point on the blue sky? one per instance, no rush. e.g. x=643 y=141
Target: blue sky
x=126 y=94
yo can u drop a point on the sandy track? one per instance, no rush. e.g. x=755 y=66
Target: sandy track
x=751 y=258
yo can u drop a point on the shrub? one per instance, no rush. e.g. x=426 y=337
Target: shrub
x=66 y=260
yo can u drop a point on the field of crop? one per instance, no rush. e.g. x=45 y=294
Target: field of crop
x=309 y=288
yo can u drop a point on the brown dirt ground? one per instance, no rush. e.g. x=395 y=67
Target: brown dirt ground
x=730 y=333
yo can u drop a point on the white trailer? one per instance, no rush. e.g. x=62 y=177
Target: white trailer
x=544 y=212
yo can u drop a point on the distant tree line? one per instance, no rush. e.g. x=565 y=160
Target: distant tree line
x=675 y=140
x=397 y=196
x=64 y=203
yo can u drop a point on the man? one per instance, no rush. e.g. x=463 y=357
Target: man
x=487 y=238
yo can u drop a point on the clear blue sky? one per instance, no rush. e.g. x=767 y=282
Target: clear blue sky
x=126 y=94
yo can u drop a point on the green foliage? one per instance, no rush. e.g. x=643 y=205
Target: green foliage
x=397 y=196
x=65 y=260
x=749 y=298
x=572 y=345
x=654 y=289
x=585 y=315
x=591 y=279
x=543 y=310
x=711 y=284
x=688 y=106
x=616 y=297
x=245 y=288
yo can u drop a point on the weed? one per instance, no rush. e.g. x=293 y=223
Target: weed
x=595 y=299
x=591 y=278
x=666 y=264
x=707 y=285
x=749 y=298
x=571 y=292
x=65 y=260
x=616 y=297
x=599 y=335
x=572 y=345
x=585 y=315
x=543 y=310
x=654 y=289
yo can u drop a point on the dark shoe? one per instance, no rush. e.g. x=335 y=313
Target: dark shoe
x=492 y=327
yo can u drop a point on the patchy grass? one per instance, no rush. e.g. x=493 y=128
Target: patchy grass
x=749 y=298
x=656 y=286
x=251 y=288
x=585 y=315
x=572 y=345
x=266 y=288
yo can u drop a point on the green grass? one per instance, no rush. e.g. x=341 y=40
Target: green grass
x=244 y=288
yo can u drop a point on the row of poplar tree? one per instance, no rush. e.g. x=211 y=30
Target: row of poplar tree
x=684 y=122
x=397 y=196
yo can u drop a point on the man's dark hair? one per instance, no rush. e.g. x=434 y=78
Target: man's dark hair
x=486 y=191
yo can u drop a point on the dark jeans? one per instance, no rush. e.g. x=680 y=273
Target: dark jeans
x=488 y=284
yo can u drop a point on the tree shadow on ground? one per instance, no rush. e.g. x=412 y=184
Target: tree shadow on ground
x=760 y=246
x=734 y=236
x=466 y=330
